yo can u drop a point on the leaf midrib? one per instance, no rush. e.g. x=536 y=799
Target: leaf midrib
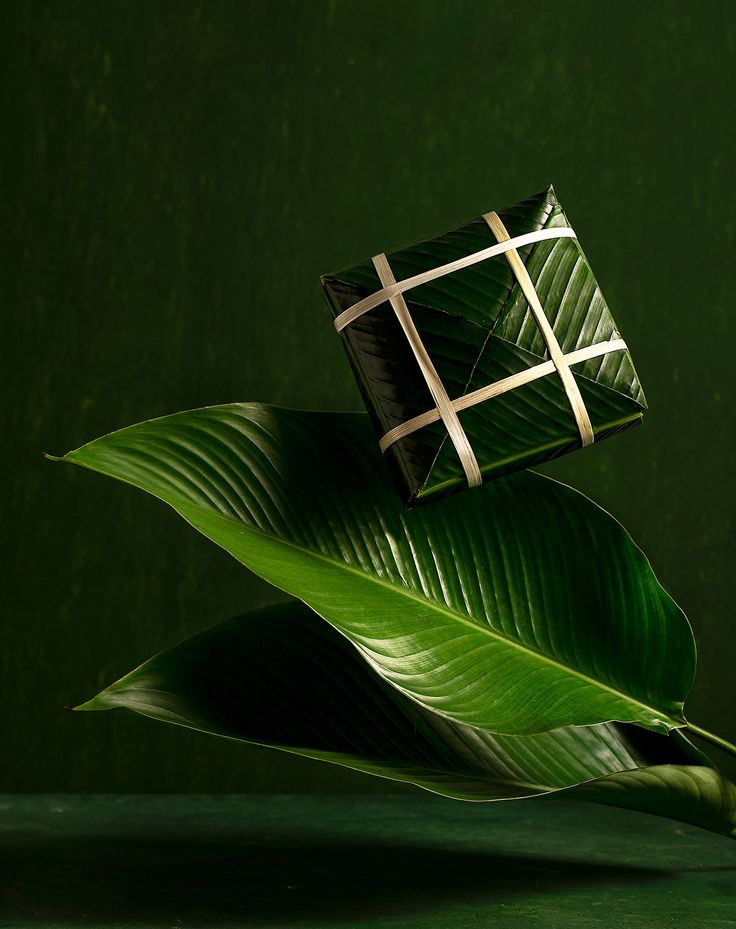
x=403 y=591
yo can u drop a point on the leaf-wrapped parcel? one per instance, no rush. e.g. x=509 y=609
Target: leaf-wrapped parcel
x=478 y=330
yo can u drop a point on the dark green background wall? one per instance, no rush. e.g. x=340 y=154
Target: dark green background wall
x=175 y=178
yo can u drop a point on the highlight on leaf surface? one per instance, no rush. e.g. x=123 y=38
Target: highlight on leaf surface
x=517 y=607
x=282 y=677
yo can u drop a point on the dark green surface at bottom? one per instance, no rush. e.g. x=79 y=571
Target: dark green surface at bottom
x=288 y=861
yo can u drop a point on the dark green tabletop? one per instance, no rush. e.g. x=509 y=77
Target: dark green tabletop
x=393 y=861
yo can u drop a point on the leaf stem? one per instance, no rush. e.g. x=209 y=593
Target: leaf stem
x=713 y=739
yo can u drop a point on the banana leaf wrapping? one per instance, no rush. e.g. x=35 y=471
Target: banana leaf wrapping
x=478 y=329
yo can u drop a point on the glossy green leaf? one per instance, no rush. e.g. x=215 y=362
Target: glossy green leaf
x=283 y=678
x=516 y=607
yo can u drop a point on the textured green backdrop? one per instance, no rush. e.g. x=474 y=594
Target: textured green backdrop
x=176 y=176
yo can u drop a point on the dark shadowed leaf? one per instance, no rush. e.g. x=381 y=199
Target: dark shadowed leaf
x=284 y=678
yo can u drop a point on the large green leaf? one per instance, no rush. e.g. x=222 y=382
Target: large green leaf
x=516 y=607
x=283 y=678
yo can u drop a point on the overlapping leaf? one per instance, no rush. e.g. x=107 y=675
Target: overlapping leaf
x=284 y=678
x=517 y=607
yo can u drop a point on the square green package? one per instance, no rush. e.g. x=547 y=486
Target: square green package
x=484 y=350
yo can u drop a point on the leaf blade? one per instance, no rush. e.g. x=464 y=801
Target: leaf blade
x=282 y=678
x=516 y=607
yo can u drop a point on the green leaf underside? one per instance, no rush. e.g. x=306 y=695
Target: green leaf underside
x=469 y=321
x=283 y=678
x=516 y=607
